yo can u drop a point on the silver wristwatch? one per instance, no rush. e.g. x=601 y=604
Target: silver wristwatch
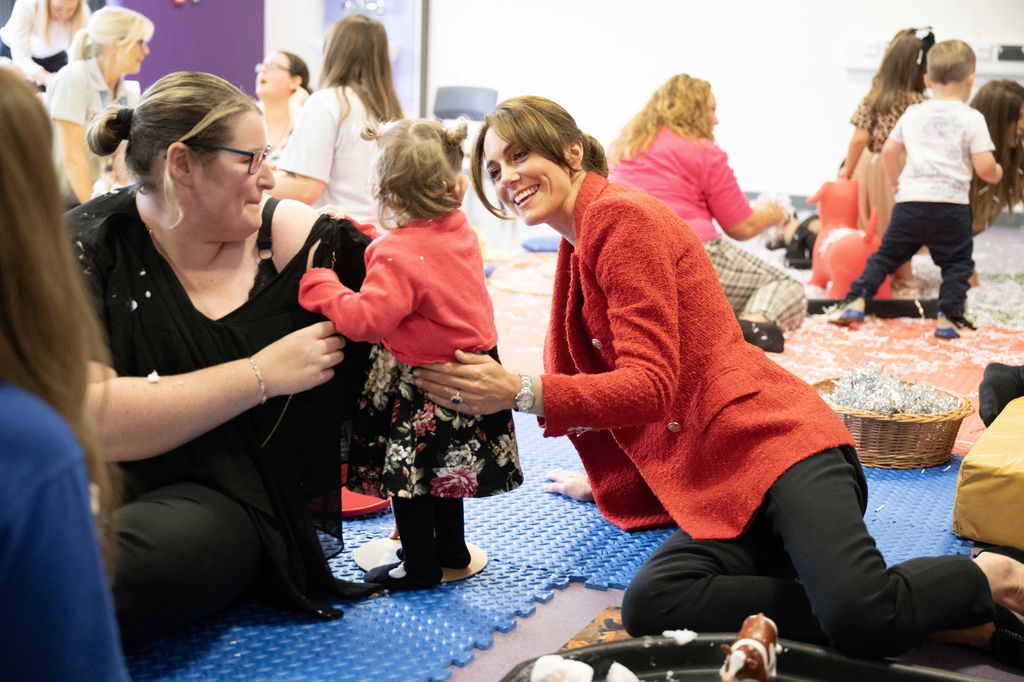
x=524 y=400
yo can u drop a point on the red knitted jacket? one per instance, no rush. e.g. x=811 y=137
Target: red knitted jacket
x=675 y=417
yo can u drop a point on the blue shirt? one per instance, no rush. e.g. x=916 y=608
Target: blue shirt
x=56 y=613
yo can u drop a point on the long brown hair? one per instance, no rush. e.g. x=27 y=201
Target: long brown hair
x=681 y=104
x=48 y=332
x=540 y=126
x=901 y=72
x=1000 y=102
x=357 y=57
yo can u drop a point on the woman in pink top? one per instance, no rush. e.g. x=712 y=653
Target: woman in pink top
x=424 y=297
x=668 y=150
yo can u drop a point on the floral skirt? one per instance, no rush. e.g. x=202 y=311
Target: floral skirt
x=404 y=444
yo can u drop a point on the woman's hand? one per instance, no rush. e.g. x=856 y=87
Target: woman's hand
x=574 y=484
x=301 y=360
x=483 y=385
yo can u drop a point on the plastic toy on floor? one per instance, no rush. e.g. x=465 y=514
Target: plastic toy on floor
x=752 y=656
x=844 y=252
x=837 y=207
x=841 y=250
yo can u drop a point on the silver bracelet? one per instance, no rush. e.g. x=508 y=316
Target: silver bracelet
x=259 y=378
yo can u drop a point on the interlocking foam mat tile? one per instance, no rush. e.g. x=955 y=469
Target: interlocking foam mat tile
x=537 y=542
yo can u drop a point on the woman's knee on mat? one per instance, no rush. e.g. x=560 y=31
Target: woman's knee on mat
x=858 y=625
x=183 y=551
x=649 y=607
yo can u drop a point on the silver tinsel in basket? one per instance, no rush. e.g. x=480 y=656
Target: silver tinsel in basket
x=872 y=389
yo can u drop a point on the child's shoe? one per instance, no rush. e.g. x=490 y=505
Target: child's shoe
x=850 y=311
x=954 y=328
x=394 y=577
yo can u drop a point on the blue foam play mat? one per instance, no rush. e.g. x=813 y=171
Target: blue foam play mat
x=536 y=543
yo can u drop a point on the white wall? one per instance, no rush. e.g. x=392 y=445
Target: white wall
x=295 y=26
x=778 y=69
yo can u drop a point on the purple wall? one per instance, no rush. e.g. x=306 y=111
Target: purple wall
x=223 y=37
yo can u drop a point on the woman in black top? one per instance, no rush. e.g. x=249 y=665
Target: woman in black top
x=222 y=399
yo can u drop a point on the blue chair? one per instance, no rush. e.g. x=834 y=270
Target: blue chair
x=453 y=101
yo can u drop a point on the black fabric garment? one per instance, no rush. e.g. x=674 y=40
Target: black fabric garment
x=266 y=271
x=153 y=326
x=181 y=534
x=53 y=63
x=810 y=526
x=800 y=250
x=946 y=230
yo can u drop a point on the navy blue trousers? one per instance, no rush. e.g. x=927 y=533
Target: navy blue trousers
x=946 y=230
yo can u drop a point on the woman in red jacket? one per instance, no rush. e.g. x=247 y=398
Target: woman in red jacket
x=677 y=420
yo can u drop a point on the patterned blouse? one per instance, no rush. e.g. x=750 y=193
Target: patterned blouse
x=879 y=127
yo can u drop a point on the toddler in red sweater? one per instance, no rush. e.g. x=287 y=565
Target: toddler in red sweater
x=424 y=296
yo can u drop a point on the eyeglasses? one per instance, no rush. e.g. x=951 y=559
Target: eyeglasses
x=256 y=158
x=268 y=66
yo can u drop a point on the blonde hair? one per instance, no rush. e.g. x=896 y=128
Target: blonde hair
x=681 y=104
x=1000 y=102
x=950 y=61
x=357 y=57
x=416 y=169
x=48 y=331
x=115 y=26
x=901 y=71
x=43 y=19
x=535 y=125
x=185 y=106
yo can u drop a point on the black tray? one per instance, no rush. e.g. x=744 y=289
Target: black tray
x=653 y=658
x=884 y=307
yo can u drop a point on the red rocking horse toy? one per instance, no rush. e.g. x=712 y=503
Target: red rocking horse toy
x=751 y=658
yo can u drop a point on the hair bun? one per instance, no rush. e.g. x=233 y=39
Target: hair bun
x=123 y=122
x=454 y=137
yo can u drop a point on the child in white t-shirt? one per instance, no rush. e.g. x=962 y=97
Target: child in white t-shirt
x=944 y=140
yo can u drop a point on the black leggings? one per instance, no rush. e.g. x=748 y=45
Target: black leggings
x=184 y=551
x=811 y=525
x=433 y=535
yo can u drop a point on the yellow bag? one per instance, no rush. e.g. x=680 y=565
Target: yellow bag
x=989 y=504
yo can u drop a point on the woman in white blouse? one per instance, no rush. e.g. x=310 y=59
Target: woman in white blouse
x=327 y=162
x=110 y=47
x=37 y=35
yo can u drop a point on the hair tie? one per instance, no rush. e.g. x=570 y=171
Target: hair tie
x=123 y=120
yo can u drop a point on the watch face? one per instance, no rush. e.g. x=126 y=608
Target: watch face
x=524 y=401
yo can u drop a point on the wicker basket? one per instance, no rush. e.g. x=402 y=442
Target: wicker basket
x=901 y=441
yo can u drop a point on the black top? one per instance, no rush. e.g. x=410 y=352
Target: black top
x=153 y=326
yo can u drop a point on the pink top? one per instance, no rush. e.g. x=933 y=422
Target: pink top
x=692 y=177
x=424 y=294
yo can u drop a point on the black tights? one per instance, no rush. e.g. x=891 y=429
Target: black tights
x=433 y=534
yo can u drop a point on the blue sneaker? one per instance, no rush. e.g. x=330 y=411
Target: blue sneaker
x=848 y=313
x=955 y=327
